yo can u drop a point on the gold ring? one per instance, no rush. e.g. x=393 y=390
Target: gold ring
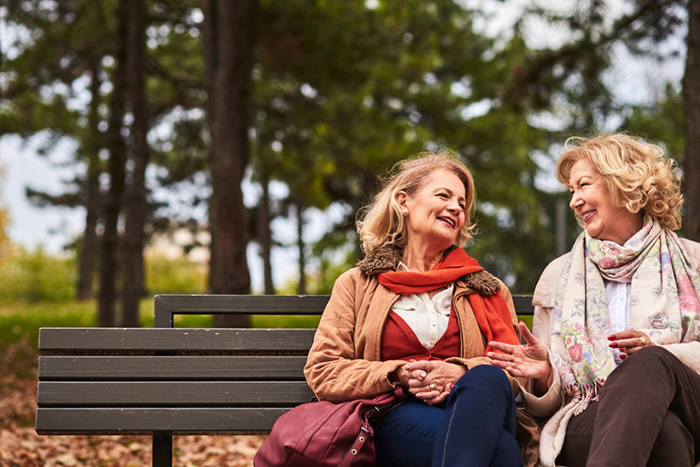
x=644 y=341
x=432 y=386
x=512 y=365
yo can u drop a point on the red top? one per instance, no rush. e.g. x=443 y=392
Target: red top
x=399 y=342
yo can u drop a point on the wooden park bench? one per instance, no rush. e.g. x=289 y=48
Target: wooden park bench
x=166 y=381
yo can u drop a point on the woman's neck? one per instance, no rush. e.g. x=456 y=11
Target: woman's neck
x=419 y=258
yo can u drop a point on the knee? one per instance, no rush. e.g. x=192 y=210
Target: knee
x=649 y=360
x=488 y=377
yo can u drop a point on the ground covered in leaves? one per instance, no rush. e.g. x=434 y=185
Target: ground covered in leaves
x=21 y=446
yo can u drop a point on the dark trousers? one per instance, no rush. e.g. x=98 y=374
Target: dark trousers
x=648 y=413
x=475 y=428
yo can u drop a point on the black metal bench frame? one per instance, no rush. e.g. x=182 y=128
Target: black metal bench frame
x=166 y=381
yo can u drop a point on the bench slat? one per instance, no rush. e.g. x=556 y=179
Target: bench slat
x=61 y=421
x=150 y=368
x=162 y=394
x=168 y=339
x=243 y=304
x=269 y=304
x=523 y=305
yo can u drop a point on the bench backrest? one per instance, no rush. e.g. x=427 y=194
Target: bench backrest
x=167 y=306
x=178 y=380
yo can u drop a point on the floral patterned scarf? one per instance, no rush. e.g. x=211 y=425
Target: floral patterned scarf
x=663 y=303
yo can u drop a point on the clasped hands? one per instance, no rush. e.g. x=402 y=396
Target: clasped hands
x=429 y=380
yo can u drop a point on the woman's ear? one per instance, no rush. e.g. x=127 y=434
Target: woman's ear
x=401 y=198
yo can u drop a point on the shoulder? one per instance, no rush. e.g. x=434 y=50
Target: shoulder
x=355 y=282
x=547 y=284
x=693 y=250
x=350 y=277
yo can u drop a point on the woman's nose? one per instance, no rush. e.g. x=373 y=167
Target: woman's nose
x=575 y=200
x=454 y=206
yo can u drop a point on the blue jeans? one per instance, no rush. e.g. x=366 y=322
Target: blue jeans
x=475 y=428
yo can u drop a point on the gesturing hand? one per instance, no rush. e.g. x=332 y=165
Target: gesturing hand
x=530 y=360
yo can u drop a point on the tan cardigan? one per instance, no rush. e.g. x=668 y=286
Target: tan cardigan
x=554 y=402
x=344 y=360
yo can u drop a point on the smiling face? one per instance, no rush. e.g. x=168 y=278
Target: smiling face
x=435 y=213
x=593 y=204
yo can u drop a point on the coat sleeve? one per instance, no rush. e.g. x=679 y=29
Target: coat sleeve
x=543 y=300
x=332 y=370
x=553 y=399
x=689 y=352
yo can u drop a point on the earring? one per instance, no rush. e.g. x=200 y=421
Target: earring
x=405 y=212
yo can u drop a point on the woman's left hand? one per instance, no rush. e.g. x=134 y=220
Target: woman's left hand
x=433 y=380
x=629 y=341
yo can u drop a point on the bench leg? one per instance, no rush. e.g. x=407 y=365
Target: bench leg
x=162 y=451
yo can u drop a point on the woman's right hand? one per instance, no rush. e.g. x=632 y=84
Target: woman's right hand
x=529 y=361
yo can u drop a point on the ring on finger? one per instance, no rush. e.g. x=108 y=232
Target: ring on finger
x=644 y=341
x=432 y=386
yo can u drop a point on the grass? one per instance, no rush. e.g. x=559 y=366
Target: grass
x=20 y=323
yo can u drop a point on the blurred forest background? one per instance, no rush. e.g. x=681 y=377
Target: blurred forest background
x=173 y=106
x=232 y=130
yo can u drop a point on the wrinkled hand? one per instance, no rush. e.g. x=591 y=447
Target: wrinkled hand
x=528 y=361
x=629 y=341
x=432 y=381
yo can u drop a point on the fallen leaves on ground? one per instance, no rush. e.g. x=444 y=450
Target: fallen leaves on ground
x=20 y=446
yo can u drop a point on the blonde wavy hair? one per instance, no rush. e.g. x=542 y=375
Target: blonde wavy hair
x=381 y=223
x=638 y=174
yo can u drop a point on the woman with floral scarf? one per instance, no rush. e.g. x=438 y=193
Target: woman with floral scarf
x=615 y=349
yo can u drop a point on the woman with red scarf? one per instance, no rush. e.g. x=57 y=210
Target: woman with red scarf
x=418 y=312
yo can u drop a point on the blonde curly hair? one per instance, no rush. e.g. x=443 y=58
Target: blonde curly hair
x=381 y=223
x=638 y=174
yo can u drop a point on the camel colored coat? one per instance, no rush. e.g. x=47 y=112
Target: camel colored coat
x=344 y=360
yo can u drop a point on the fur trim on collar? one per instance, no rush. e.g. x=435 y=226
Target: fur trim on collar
x=387 y=258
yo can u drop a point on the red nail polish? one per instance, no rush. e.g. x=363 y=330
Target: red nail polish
x=614 y=345
x=612 y=337
x=623 y=356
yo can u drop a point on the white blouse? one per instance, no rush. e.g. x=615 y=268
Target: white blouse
x=427 y=317
x=618 y=294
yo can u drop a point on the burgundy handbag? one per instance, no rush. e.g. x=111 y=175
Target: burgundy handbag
x=322 y=433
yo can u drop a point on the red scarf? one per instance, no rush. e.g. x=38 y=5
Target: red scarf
x=491 y=312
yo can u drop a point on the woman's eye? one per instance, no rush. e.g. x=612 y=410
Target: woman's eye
x=442 y=195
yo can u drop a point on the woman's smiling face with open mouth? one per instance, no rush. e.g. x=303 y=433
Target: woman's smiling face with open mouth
x=436 y=211
x=593 y=204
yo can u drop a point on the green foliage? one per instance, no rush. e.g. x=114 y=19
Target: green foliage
x=36 y=276
x=661 y=122
x=343 y=90
x=180 y=275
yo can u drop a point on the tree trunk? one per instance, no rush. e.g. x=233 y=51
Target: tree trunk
x=90 y=247
x=228 y=54
x=135 y=204
x=117 y=158
x=691 y=100
x=300 y=246
x=265 y=235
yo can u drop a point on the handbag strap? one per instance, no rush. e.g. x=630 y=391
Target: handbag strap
x=376 y=407
x=384 y=403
